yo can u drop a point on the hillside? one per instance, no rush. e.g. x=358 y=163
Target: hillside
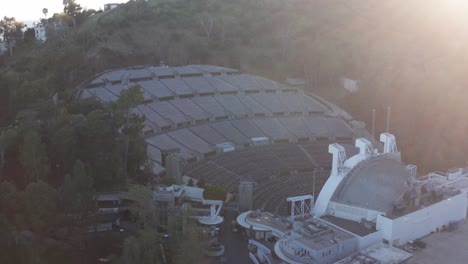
x=410 y=55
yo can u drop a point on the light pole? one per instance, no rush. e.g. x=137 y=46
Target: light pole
x=313 y=186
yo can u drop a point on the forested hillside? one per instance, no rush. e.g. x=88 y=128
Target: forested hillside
x=57 y=153
x=408 y=55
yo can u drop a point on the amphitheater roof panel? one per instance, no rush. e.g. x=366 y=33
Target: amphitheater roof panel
x=317 y=125
x=152 y=116
x=153 y=153
x=313 y=105
x=296 y=125
x=190 y=141
x=232 y=104
x=252 y=105
x=116 y=89
x=113 y=75
x=242 y=82
x=373 y=184
x=86 y=95
x=162 y=71
x=186 y=70
x=188 y=107
x=142 y=73
x=220 y=85
x=199 y=84
x=214 y=69
x=103 y=94
x=156 y=89
x=339 y=128
x=301 y=103
x=168 y=111
x=210 y=105
x=270 y=101
x=248 y=128
x=165 y=142
x=230 y=132
x=177 y=86
x=207 y=133
x=267 y=84
x=273 y=128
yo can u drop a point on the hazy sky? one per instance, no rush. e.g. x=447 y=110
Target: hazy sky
x=31 y=10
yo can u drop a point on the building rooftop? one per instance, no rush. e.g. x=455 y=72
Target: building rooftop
x=317 y=234
x=270 y=220
x=352 y=226
x=377 y=254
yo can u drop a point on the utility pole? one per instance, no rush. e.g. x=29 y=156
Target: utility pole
x=313 y=187
x=373 y=123
x=388 y=119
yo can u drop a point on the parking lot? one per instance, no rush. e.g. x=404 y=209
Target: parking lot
x=448 y=247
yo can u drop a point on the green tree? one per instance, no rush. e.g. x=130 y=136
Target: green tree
x=78 y=191
x=72 y=9
x=12 y=31
x=134 y=154
x=41 y=207
x=33 y=157
x=143 y=207
x=190 y=183
x=215 y=192
x=201 y=182
x=7 y=140
x=184 y=243
x=145 y=248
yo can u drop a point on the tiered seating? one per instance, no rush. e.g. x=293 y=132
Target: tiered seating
x=196 y=107
x=319 y=152
x=265 y=158
x=214 y=174
x=272 y=195
x=292 y=155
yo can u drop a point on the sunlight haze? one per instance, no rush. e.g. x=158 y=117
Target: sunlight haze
x=33 y=12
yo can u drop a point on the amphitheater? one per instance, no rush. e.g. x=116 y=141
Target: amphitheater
x=197 y=108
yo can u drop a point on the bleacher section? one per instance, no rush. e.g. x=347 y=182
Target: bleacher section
x=197 y=108
x=272 y=195
x=261 y=164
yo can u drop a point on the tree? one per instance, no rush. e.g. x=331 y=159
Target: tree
x=7 y=139
x=201 y=182
x=215 y=192
x=12 y=31
x=78 y=191
x=33 y=157
x=72 y=9
x=45 y=11
x=185 y=245
x=132 y=125
x=145 y=248
x=40 y=207
x=143 y=207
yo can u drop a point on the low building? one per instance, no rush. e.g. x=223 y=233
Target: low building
x=264 y=225
x=110 y=6
x=315 y=241
x=3 y=48
x=378 y=254
x=170 y=199
x=40 y=32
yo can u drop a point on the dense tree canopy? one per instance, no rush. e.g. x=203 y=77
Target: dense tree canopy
x=59 y=152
